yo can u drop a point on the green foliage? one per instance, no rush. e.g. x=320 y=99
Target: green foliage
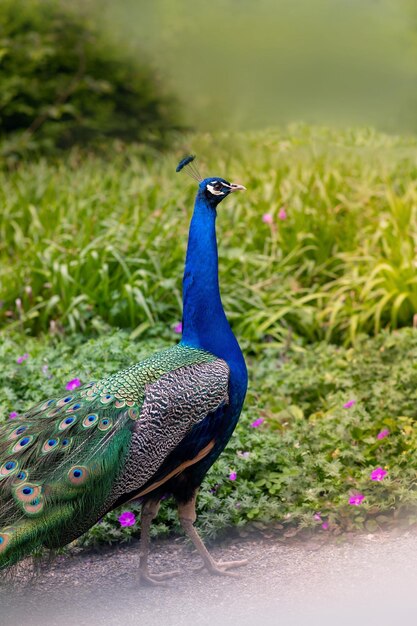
x=86 y=240
x=309 y=455
x=63 y=82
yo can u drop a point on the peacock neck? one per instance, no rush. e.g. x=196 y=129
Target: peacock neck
x=205 y=324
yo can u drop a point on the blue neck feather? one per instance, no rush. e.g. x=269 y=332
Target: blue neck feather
x=204 y=322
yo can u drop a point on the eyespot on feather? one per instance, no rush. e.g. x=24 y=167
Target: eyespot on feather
x=8 y=468
x=5 y=538
x=47 y=405
x=105 y=424
x=27 y=492
x=90 y=420
x=106 y=398
x=21 y=476
x=66 y=423
x=34 y=507
x=78 y=475
x=23 y=443
x=64 y=401
x=50 y=444
x=75 y=407
x=133 y=414
x=17 y=432
x=119 y=404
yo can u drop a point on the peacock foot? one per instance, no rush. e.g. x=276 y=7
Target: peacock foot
x=155 y=580
x=221 y=568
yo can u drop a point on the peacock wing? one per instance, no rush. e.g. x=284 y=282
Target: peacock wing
x=175 y=404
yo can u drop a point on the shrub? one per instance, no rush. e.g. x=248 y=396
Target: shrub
x=63 y=82
x=297 y=451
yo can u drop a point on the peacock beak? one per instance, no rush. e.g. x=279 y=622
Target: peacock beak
x=234 y=187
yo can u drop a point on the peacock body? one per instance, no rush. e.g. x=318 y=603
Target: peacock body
x=153 y=428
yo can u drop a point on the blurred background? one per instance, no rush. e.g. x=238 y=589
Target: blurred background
x=245 y=65
x=228 y=65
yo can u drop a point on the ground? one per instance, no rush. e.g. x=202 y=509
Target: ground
x=362 y=580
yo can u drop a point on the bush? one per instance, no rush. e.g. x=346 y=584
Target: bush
x=63 y=82
x=308 y=456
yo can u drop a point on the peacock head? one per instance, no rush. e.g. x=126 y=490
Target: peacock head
x=214 y=190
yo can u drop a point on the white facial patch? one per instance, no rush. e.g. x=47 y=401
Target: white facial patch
x=214 y=191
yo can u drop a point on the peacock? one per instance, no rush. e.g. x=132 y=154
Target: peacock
x=151 y=429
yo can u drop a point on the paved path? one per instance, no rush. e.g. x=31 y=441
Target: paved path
x=369 y=580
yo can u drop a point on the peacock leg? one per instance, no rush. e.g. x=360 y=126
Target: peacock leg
x=187 y=517
x=149 y=511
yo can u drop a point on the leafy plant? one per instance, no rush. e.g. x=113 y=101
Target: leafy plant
x=317 y=422
x=63 y=82
x=89 y=240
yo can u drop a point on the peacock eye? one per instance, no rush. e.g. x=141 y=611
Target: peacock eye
x=217 y=186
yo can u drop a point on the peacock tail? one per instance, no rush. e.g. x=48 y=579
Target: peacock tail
x=157 y=425
x=69 y=459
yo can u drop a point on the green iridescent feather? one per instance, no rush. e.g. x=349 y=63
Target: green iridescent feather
x=59 y=461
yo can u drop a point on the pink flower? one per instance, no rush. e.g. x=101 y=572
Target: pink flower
x=257 y=422
x=73 y=384
x=22 y=358
x=243 y=455
x=127 y=519
x=325 y=525
x=349 y=404
x=267 y=218
x=13 y=414
x=317 y=517
x=177 y=328
x=356 y=499
x=232 y=476
x=282 y=215
x=384 y=433
x=378 y=474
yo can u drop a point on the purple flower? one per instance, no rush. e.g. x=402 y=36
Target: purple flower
x=232 y=476
x=177 y=328
x=243 y=455
x=356 y=499
x=22 y=358
x=282 y=215
x=73 y=384
x=349 y=404
x=378 y=474
x=267 y=218
x=317 y=517
x=257 y=422
x=127 y=519
x=384 y=433
x=13 y=414
x=325 y=525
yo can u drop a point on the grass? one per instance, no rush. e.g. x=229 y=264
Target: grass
x=310 y=454
x=90 y=240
